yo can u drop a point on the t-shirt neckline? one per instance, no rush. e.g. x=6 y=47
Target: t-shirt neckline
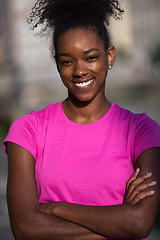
x=99 y=121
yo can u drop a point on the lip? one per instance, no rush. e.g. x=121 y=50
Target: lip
x=84 y=80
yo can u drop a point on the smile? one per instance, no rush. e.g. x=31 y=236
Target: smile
x=84 y=84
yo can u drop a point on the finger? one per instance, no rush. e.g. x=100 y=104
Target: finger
x=140 y=189
x=141 y=196
x=134 y=176
x=139 y=185
x=137 y=182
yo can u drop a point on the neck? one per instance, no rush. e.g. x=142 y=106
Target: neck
x=85 y=112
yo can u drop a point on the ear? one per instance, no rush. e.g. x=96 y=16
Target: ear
x=111 y=55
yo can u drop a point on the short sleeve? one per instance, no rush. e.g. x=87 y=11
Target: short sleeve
x=147 y=135
x=23 y=133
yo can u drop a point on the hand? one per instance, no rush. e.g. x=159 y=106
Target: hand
x=137 y=188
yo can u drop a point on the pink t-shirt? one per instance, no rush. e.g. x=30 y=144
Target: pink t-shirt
x=86 y=164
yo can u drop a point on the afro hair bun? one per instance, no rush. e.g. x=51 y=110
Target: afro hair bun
x=50 y=12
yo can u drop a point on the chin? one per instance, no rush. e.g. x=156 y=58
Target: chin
x=82 y=100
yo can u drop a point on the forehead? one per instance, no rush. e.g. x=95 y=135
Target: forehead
x=82 y=39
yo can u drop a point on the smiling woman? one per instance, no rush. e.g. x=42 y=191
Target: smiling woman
x=83 y=69
x=83 y=168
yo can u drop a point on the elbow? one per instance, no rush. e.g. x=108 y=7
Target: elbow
x=22 y=231
x=24 y=226
x=142 y=232
x=19 y=232
x=142 y=226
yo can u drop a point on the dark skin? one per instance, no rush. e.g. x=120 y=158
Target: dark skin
x=78 y=60
x=24 y=207
x=82 y=57
x=118 y=221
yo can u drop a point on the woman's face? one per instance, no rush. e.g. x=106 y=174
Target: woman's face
x=83 y=63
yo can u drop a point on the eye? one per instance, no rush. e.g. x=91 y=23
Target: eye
x=92 y=58
x=66 y=62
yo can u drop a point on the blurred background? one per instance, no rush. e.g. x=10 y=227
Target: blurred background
x=29 y=80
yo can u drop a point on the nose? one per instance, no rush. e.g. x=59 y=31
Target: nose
x=80 y=69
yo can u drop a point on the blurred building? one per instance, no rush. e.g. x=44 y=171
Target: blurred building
x=28 y=77
x=145 y=19
x=140 y=25
x=136 y=37
x=8 y=68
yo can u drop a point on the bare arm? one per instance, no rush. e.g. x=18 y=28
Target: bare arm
x=123 y=220
x=27 y=221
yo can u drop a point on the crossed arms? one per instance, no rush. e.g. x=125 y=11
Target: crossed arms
x=31 y=220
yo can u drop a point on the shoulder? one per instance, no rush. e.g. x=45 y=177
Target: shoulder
x=29 y=130
x=140 y=125
x=125 y=117
x=137 y=119
x=46 y=113
x=145 y=132
x=34 y=119
x=124 y=113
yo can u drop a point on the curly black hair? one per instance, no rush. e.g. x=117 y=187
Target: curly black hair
x=59 y=16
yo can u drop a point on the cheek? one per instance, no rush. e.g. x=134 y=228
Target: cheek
x=65 y=74
x=99 y=68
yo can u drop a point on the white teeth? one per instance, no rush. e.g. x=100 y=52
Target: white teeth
x=84 y=84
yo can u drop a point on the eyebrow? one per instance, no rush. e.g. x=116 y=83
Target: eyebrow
x=64 y=54
x=85 y=52
x=91 y=50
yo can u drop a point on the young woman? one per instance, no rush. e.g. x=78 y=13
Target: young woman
x=69 y=164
